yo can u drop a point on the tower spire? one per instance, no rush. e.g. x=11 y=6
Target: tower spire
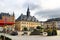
x=28 y=11
x=13 y=14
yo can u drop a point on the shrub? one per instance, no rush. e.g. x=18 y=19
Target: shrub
x=49 y=31
x=35 y=32
x=39 y=27
x=54 y=31
x=25 y=29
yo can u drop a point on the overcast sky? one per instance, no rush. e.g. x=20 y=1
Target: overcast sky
x=41 y=9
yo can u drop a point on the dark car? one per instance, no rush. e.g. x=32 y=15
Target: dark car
x=14 y=33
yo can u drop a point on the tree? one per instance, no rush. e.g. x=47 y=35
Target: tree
x=35 y=32
x=49 y=31
x=54 y=31
x=39 y=27
x=25 y=29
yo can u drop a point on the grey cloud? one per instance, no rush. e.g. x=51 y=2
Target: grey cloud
x=9 y=5
x=32 y=6
x=49 y=13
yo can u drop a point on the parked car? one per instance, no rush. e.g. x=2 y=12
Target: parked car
x=14 y=33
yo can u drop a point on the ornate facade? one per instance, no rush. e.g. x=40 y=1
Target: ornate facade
x=8 y=19
x=55 y=22
x=26 y=21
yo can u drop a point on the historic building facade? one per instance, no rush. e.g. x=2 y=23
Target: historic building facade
x=8 y=17
x=26 y=21
x=55 y=22
x=7 y=20
x=49 y=24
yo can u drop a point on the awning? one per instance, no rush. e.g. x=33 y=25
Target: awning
x=2 y=22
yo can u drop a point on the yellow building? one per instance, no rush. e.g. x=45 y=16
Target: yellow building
x=29 y=24
x=26 y=21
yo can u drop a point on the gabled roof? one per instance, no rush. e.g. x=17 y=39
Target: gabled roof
x=4 y=14
x=26 y=18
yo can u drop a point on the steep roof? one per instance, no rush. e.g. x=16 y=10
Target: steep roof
x=26 y=18
x=4 y=14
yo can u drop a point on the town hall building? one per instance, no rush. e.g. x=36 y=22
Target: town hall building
x=26 y=21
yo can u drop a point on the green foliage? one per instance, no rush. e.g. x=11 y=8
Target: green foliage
x=54 y=31
x=25 y=29
x=35 y=32
x=51 y=31
x=39 y=27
